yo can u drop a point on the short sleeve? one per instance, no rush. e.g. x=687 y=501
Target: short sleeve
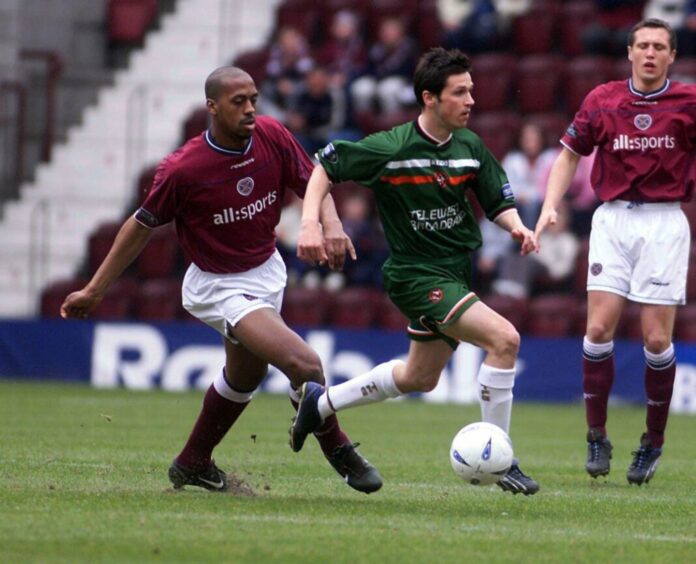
x=362 y=161
x=159 y=206
x=579 y=137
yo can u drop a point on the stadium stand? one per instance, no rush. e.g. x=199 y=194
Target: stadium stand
x=354 y=308
x=542 y=75
x=552 y=315
x=305 y=307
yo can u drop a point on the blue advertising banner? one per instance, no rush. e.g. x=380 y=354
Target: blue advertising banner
x=182 y=356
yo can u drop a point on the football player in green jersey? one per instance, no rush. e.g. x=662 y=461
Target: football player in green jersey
x=420 y=173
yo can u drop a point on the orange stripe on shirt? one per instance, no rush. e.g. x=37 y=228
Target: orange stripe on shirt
x=423 y=179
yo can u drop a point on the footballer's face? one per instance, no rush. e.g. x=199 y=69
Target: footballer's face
x=650 y=56
x=234 y=111
x=452 y=108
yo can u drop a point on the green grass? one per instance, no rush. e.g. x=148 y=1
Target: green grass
x=83 y=479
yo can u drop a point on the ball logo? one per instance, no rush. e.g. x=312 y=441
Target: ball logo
x=435 y=295
x=642 y=121
x=486 y=454
x=595 y=269
x=245 y=186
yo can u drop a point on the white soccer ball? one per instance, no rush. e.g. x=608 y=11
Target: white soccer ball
x=481 y=453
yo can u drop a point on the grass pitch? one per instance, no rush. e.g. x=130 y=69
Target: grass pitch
x=83 y=479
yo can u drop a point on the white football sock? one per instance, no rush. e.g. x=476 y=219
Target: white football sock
x=226 y=391
x=495 y=395
x=373 y=386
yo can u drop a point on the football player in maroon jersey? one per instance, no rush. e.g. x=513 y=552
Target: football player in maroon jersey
x=224 y=189
x=644 y=129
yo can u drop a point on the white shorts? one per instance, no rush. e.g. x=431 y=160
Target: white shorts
x=640 y=251
x=220 y=300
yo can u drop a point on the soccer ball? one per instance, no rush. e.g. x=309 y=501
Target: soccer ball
x=481 y=453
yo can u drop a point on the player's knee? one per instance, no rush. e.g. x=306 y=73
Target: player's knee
x=301 y=368
x=599 y=332
x=505 y=343
x=657 y=342
x=418 y=382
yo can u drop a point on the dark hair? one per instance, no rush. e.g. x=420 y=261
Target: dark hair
x=214 y=84
x=655 y=24
x=435 y=67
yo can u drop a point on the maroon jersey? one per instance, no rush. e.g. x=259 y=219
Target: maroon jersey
x=226 y=204
x=646 y=141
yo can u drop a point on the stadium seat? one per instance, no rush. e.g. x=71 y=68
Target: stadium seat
x=581 y=266
x=499 y=130
x=552 y=315
x=305 y=307
x=99 y=244
x=303 y=15
x=128 y=20
x=160 y=256
x=574 y=18
x=492 y=73
x=388 y=316
x=685 y=324
x=428 y=25
x=370 y=122
x=537 y=83
x=621 y=69
x=691 y=284
x=158 y=300
x=552 y=124
x=117 y=301
x=629 y=323
x=513 y=309
x=689 y=209
x=195 y=124
x=683 y=69
x=253 y=62
x=354 y=308
x=379 y=10
x=53 y=295
x=581 y=75
x=534 y=32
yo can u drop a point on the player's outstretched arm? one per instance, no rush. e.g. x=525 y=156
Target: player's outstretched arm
x=130 y=240
x=512 y=223
x=336 y=241
x=310 y=242
x=560 y=177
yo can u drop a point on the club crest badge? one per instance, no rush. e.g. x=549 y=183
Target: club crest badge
x=642 y=121
x=435 y=295
x=596 y=269
x=245 y=186
x=441 y=179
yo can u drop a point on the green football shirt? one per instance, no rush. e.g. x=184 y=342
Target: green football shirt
x=420 y=187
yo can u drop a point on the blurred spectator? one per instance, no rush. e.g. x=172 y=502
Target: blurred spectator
x=670 y=11
x=368 y=238
x=344 y=53
x=681 y=15
x=289 y=62
x=386 y=85
x=317 y=112
x=476 y=26
x=686 y=35
x=609 y=34
x=556 y=260
x=526 y=168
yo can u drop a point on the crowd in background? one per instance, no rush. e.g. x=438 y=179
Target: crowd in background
x=338 y=86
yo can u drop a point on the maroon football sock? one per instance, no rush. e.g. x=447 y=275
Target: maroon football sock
x=217 y=416
x=659 y=383
x=597 y=380
x=329 y=435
